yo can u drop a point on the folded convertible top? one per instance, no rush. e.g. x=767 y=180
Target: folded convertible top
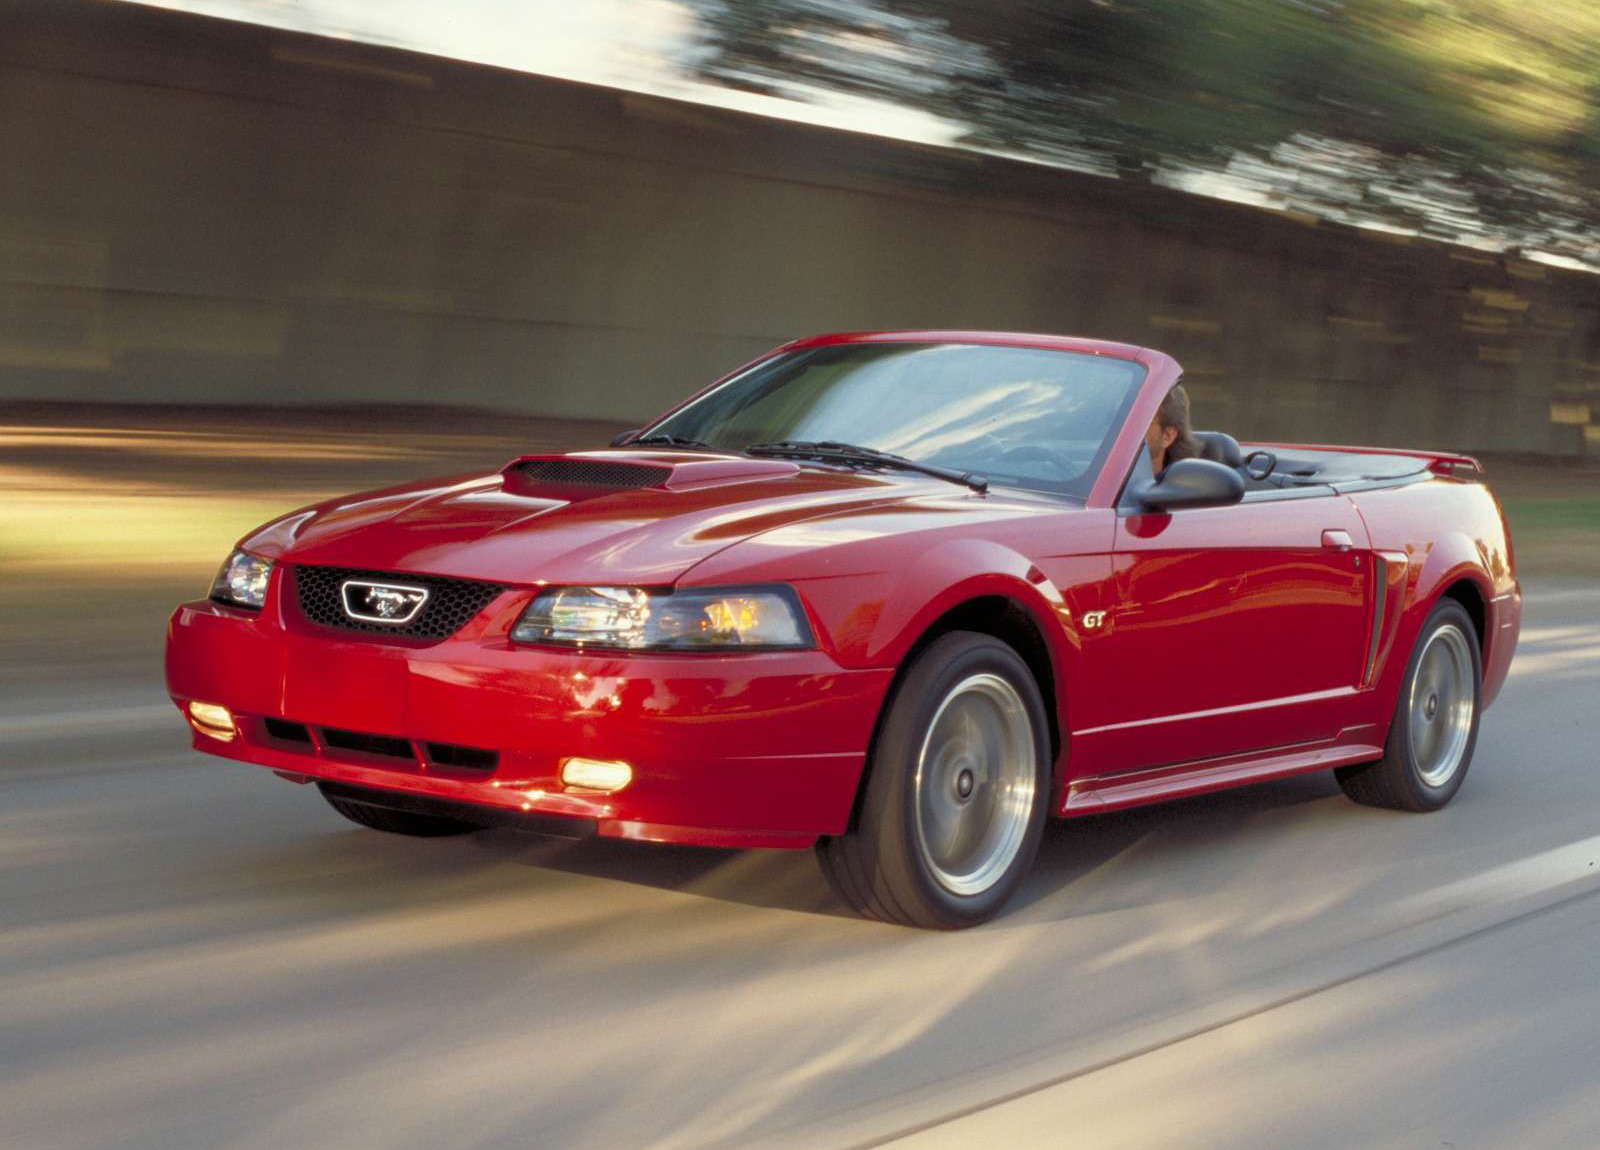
x=1328 y=464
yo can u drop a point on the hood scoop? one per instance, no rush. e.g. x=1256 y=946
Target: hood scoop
x=599 y=473
x=610 y=473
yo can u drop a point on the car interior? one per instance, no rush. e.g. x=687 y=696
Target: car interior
x=1270 y=469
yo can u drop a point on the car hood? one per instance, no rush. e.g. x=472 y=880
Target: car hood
x=600 y=517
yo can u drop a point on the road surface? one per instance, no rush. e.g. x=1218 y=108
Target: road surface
x=197 y=954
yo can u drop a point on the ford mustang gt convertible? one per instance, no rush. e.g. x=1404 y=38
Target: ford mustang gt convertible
x=901 y=596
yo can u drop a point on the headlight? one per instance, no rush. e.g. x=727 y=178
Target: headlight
x=727 y=618
x=243 y=580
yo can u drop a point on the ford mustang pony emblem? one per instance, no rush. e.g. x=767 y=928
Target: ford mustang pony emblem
x=381 y=602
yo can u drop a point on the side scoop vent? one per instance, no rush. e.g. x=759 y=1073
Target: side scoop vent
x=592 y=473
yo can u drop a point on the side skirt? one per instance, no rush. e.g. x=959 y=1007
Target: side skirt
x=1178 y=780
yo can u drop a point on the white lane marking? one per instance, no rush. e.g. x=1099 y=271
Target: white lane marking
x=1483 y=902
x=99 y=719
x=1550 y=665
x=1565 y=595
x=1558 y=651
x=1588 y=632
x=1532 y=874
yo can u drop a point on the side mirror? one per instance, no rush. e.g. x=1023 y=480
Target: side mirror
x=618 y=441
x=1191 y=483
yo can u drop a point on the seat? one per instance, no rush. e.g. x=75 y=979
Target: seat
x=1219 y=447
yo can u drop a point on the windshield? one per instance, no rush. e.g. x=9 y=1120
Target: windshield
x=1023 y=417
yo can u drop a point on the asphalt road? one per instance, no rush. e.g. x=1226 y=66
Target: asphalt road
x=197 y=954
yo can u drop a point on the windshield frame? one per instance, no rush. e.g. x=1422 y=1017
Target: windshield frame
x=1088 y=480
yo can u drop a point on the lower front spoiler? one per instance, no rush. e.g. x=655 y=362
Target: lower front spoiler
x=490 y=802
x=527 y=822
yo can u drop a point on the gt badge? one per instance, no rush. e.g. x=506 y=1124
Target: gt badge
x=1093 y=620
x=381 y=602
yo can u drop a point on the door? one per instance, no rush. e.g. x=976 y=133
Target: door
x=1231 y=630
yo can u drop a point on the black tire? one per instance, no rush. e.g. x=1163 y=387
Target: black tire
x=1402 y=779
x=397 y=822
x=992 y=730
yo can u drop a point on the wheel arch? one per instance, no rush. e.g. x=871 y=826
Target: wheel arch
x=1450 y=572
x=1465 y=590
x=1454 y=570
x=1007 y=620
x=997 y=611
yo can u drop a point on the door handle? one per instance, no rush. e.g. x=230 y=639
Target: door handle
x=1336 y=540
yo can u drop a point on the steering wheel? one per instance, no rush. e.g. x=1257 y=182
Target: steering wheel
x=1059 y=460
x=1252 y=472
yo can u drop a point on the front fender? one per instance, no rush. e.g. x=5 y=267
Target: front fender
x=960 y=571
x=955 y=572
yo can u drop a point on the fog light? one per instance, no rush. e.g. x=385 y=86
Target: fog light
x=596 y=774
x=210 y=719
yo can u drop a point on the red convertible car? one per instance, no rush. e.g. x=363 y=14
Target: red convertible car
x=902 y=596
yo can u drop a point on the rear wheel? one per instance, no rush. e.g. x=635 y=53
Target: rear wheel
x=396 y=822
x=1435 y=725
x=956 y=791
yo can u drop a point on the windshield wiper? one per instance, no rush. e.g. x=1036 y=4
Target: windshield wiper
x=829 y=450
x=665 y=440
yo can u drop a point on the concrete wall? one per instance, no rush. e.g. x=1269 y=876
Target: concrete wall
x=198 y=211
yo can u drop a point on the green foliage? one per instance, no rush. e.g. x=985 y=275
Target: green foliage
x=1458 y=117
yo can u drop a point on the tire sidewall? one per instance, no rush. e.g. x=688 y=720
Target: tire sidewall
x=1400 y=750
x=941 y=666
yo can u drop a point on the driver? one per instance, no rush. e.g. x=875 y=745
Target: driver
x=1169 y=437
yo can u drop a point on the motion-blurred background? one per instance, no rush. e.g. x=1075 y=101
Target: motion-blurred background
x=256 y=252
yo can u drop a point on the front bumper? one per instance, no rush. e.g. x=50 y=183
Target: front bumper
x=758 y=749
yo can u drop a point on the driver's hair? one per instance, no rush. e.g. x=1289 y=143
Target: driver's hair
x=1174 y=412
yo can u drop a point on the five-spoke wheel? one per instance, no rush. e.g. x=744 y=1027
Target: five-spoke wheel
x=1443 y=705
x=975 y=783
x=1435 y=723
x=954 y=800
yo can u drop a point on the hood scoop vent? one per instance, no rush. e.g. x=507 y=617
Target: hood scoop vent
x=593 y=473
x=575 y=477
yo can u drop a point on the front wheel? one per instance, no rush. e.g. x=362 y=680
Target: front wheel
x=1435 y=724
x=956 y=790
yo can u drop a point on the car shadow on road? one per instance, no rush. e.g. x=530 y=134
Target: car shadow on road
x=791 y=880
x=775 y=879
x=1167 y=832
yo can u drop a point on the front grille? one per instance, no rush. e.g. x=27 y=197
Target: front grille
x=461 y=758
x=286 y=731
x=363 y=743
x=436 y=758
x=451 y=602
x=593 y=472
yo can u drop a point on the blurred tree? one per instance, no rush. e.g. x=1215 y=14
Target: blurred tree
x=1458 y=117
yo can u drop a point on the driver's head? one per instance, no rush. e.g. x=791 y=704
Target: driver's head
x=1169 y=437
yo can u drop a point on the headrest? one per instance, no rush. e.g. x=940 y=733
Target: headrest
x=1222 y=448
